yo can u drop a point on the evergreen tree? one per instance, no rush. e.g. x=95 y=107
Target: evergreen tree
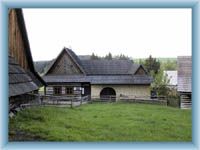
x=109 y=56
x=93 y=56
x=123 y=57
x=151 y=64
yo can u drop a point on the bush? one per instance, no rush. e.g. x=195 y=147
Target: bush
x=173 y=101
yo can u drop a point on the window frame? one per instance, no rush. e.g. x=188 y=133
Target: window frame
x=69 y=90
x=57 y=90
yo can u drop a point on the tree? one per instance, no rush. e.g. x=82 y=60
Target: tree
x=141 y=62
x=160 y=83
x=123 y=57
x=169 y=65
x=151 y=64
x=109 y=56
x=93 y=56
x=160 y=80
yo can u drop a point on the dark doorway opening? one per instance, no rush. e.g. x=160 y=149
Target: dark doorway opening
x=87 y=89
x=108 y=94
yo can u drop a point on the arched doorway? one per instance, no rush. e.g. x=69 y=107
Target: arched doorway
x=108 y=94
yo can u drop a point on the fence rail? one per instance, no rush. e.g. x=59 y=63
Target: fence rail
x=132 y=99
x=64 y=100
x=73 y=101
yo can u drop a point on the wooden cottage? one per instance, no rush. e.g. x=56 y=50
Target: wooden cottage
x=69 y=75
x=185 y=81
x=23 y=79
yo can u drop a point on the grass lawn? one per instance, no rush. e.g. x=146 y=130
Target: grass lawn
x=103 y=122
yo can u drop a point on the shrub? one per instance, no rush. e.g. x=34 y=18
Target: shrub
x=173 y=101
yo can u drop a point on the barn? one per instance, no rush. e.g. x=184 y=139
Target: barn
x=69 y=75
x=23 y=79
x=185 y=81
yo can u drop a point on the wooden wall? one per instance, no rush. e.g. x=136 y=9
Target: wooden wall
x=76 y=89
x=140 y=71
x=65 y=66
x=16 y=43
x=186 y=100
x=185 y=74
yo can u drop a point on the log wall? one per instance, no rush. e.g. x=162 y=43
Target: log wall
x=15 y=40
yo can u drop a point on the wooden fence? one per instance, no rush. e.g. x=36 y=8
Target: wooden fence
x=46 y=100
x=130 y=99
x=71 y=101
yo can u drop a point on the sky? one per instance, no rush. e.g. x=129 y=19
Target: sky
x=136 y=33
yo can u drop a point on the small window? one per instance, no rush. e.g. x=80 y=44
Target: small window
x=57 y=90
x=69 y=90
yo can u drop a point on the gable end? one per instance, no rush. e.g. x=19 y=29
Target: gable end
x=64 y=65
x=140 y=71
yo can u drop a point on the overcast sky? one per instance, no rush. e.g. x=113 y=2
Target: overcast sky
x=133 y=32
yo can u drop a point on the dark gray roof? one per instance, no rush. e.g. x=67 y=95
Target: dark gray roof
x=109 y=67
x=101 y=71
x=185 y=74
x=100 y=79
x=19 y=81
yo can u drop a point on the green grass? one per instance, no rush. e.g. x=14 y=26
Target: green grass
x=105 y=122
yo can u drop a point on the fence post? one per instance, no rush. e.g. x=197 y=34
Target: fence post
x=41 y=100
x=71 y=103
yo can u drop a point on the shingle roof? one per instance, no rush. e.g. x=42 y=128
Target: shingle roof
x=100 y=72
x=75 y=58
x=185 y=74
x=120 y=79
x=19 y=81
x=109 y=67
x=100 y=79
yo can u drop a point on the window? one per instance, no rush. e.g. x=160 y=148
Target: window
x=57 y=90
x=69 y=90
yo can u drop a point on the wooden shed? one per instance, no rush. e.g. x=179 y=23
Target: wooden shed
x=185 y=81
x=23 y=79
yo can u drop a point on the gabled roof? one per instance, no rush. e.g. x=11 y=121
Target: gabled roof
x=72 y=55
x=133 y=70
x=19 y=81
x=98 y=67
x=100 y=72
x=184 y=74
x=99 y=79
x=22 y=27
x=109 y=67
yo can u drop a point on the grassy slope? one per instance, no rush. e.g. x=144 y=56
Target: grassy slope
x=106 y=122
